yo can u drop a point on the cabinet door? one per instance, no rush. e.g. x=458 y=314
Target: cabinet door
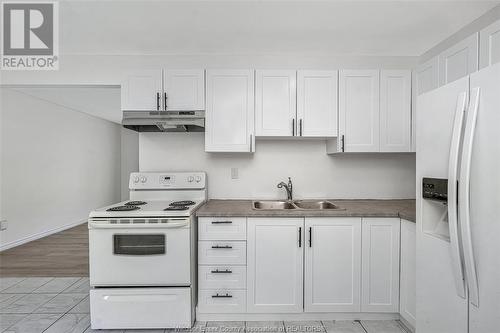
x=229 y=123
x=275 y=102
x=141 y=91
x=380 y=265
x=489 y=47
x=275 y=265
x=459 y=60
x=333 y=264
x=317 y=96
x=408 y=272
x=427 y=76
x=395 y=111
x=184 y=89
x=359 y=112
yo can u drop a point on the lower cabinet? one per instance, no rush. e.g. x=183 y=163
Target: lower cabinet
x=408 y=291
x=275 y=265
x=380 y=265
x=333 y=265
x=269 y=265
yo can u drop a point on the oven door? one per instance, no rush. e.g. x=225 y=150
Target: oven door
x=140 y=254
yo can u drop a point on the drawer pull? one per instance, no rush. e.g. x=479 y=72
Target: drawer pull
x=227 y=271
x=222 y=296
x=222 y=247
x=222 y=222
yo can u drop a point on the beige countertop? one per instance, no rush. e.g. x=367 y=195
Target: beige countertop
x=402 y=208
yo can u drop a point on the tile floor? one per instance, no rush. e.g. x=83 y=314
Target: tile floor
x=61 y=305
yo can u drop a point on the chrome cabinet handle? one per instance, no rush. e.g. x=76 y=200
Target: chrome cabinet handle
x=227 y=271
x=222 y=222
x=221 y=296
x=251 y=142
x=157 y=101
x=300 y=236
x=222 y=247
x=293 y=127
x=300 y=126
x=343 y=143
x=310 y=236
x=165 y=101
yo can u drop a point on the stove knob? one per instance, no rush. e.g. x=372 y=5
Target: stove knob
x=198 y=179
x=136 y=179
x=190 y=179
x=143 y=179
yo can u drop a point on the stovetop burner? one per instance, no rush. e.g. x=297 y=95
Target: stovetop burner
x=177 y=208
x=135 y=203
x=182 y=203
x=122 y=208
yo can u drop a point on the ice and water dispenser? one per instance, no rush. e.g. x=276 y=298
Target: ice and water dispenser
x=435 y=207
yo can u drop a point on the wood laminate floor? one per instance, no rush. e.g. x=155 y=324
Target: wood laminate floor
x=63 y=254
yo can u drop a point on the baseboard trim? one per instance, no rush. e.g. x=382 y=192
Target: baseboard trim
x=407 y=325
x=295 y=316
x=39 y=235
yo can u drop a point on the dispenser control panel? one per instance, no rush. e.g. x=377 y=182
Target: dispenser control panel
x=435 y=189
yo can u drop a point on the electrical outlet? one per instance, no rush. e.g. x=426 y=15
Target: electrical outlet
x=3 y=225
x=234 y=173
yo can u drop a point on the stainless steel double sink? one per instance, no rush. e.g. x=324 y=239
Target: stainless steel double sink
x=295 y=204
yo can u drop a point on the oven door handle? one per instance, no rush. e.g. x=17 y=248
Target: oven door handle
x=105 y=224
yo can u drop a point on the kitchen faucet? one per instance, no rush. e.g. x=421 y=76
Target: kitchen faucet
x=288 y=187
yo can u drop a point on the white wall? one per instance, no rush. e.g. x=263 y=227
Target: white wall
x=314 y=173
x=57 y=165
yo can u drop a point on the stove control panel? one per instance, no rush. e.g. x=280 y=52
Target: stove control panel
x=167 y=180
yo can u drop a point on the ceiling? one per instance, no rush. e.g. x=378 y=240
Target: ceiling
x=98 y=101
x=396 y=28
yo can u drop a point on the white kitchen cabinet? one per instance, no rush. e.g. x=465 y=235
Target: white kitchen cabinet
x=427 y=76
x=317 y=95
x=459 y=60
x=333 y=264
x=275 y=265
x=395 y=111
x=142 y=91
x=489 y=45
x=229 y=123
x=380 y=265
x=408 y=272
x=359 y=111
x=184 y=89
x=275 y=102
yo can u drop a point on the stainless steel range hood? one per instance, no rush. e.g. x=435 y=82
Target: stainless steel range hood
x=164 y=121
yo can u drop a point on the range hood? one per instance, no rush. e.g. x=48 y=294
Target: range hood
x=164 y=121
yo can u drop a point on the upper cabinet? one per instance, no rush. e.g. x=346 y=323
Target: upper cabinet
x=141 y=91
x=489 y=47
x=167 y=90
x=395 y=111
x=296 y=103
x=459 y=60
x=275 y=102
x=427 y=76
x=359 y=111
x=229 y=123
x=374 y=111
x=317 y=103
x=184 y=89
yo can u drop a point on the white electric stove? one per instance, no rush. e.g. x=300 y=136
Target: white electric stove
x=142 y=253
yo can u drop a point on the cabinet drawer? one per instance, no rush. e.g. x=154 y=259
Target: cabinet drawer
x=222 y=252
x=222 y=277
x=222 y=301
x=222 y=228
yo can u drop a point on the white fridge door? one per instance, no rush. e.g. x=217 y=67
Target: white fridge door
x=440 y=308
x=484 y=204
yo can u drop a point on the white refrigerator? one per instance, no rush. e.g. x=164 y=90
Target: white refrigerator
x=458 y=241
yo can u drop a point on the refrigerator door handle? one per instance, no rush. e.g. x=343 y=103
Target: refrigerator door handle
x=456 y=256
x=464 y=198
